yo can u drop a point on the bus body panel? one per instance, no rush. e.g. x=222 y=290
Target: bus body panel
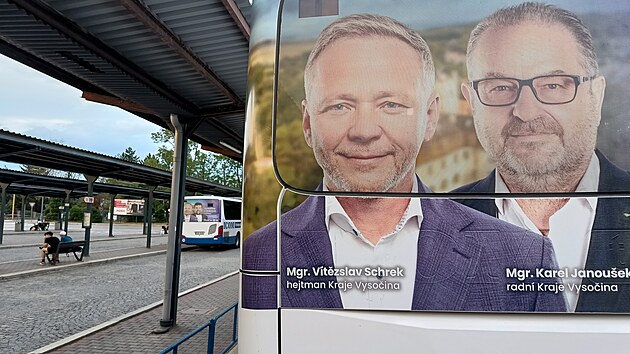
x=365 y=331
x=258 y=331
x=319 y=331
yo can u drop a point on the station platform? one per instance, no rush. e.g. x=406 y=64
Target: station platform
x=30 y=242
x=18 y=268
x=133 y=333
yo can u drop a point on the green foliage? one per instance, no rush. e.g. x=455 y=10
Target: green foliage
x=129 y=155
x=51 y=213
x=36 y=170
x=96 y=215
x=260 y=196
x=159 y=211
x=200 y=164
x=159 y=215
x=76 y=213
x=295 y=160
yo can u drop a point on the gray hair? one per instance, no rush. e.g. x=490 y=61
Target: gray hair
x=364 y=25
x=546 y=14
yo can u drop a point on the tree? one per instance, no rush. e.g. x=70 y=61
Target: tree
x=199 y=163
x=224 y=170
x=159 y=212
x=96 y=215
x=51 y=213
x=129 y=155
x=75 y=213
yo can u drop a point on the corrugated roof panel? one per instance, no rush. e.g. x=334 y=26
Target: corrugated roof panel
x=204 y=26
x=133 y=40
x=58 y=49
x=93 y=11
x=218 y=27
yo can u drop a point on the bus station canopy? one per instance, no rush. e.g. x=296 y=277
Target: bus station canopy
x=149 y=57
x=31 y=184
x=22 y=149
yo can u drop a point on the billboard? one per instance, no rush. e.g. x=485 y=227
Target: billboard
x=129 y=207
x=381 y=114
x=202 y=209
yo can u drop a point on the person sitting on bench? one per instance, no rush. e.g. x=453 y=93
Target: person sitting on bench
x=64 y=237
x=50 y=245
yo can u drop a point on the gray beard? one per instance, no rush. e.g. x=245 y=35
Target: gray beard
x=337 y=183
x=565 y=178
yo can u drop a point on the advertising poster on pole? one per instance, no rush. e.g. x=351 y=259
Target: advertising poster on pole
x=129 y=207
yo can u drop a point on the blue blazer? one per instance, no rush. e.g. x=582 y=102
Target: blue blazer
x=610 y=237
x=461 y=265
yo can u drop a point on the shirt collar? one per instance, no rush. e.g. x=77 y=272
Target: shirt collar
x=588 y=183
x=335 y=211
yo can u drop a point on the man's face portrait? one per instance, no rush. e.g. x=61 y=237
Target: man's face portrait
x=198 y=208
x=188 y=209
x=366 y=113
x=529 y=137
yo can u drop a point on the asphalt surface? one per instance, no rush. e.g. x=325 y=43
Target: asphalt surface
x=42 y=308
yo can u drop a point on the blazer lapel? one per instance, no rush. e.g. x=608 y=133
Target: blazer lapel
x=305 y=244
x=610 y=241
x=484 y=186
x=445 y=259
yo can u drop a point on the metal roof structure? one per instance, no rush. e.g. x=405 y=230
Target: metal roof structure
x=23 y=149
x=149 y=57
x=31 y=190
x=31 y=184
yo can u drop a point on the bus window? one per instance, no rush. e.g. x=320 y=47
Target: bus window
x=232 y=210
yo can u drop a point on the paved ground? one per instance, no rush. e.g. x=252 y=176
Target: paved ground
x=134 y=336
x=99 y=231
x=36 y=314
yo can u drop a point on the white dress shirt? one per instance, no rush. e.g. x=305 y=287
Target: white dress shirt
x=569 y=228
x=399 y=248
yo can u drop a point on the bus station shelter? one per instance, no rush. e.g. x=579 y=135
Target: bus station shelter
x=181 y=64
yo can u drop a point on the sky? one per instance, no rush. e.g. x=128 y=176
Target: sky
x=430 y=14
x=37 y=105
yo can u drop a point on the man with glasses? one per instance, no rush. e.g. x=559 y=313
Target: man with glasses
x=536 y=98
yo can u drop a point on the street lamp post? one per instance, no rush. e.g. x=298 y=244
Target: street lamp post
x=66 y=216
x=60 y=218
x=32 y=204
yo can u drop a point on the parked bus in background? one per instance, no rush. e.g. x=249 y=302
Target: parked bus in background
x=436 y=177
x=212 y=220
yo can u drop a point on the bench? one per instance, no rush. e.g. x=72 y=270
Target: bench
x=67 y=247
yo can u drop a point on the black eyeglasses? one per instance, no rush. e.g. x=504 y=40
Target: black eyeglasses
x=548 y=89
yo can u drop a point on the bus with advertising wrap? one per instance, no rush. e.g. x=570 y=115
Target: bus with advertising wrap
x=212 y=221
x=436 y=177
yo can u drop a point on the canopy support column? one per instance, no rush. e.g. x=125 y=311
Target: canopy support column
x=149 y=209
x=178 y=189
x=90 y=180
x=22 y=212
x=2 y=210
x=67 y=210
x=111 y=216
